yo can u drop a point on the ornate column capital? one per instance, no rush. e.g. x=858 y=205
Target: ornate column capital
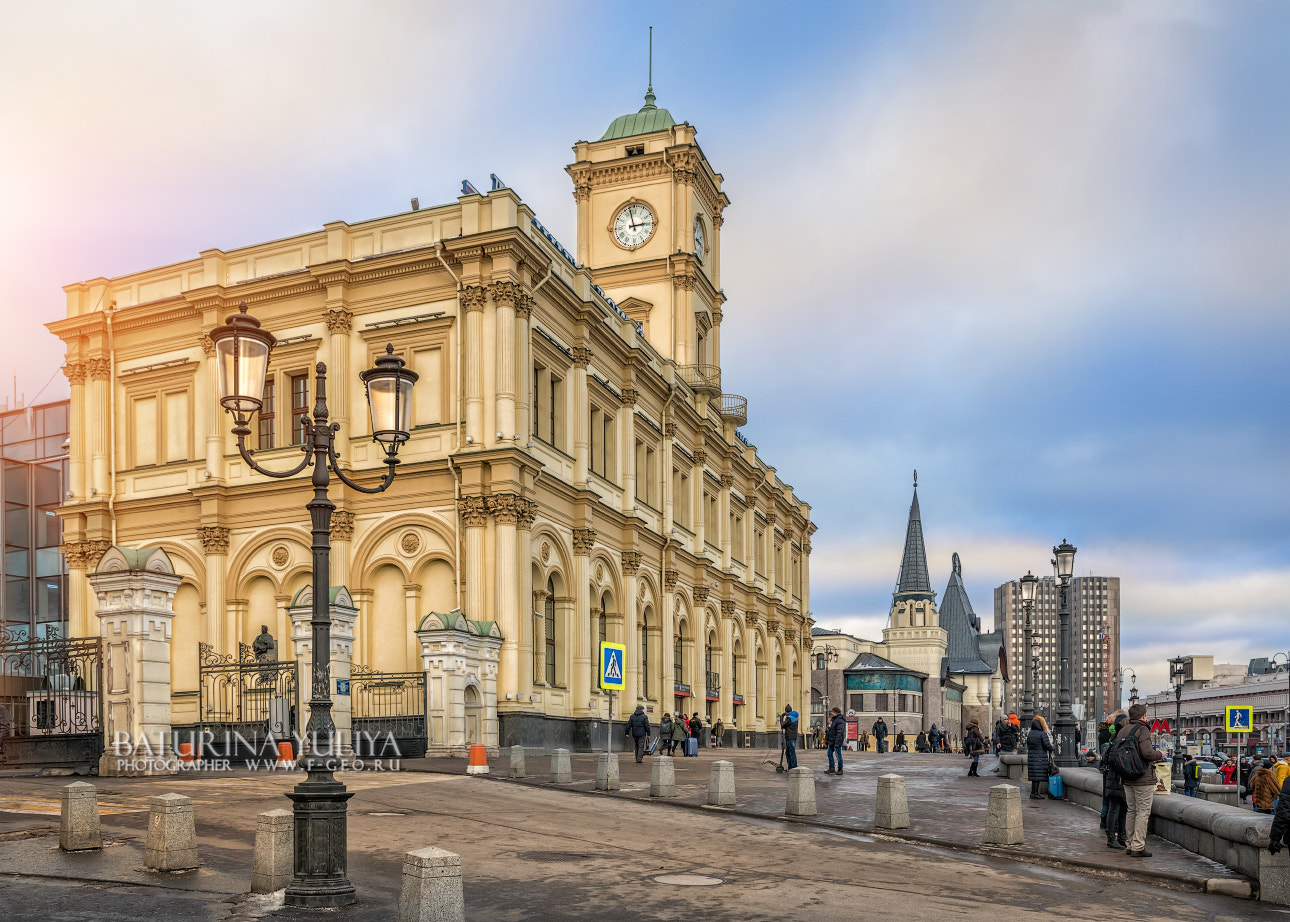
x=583 y=541
x=700 y=457
x=629 y=396
x=98 y=369
x=473 y=297
x=631 y=562
x=717 y=316
x=524 y=305
x=338 y=320
x=581 y=191
x=788 y=533
x=727 y=481
x=526 y=511
x=727 y=608
x=75 y=372
x=342 y=525
x=581 y=356
x=670 y=579
x=669 y=429
x=214 y=539
x=701 y=593
x=504 y=508
x=474 y=511
x=772 y=517
x=683 y=282
x=504 y=293
x=718 y=219
x=751 y=618
x=806 y=546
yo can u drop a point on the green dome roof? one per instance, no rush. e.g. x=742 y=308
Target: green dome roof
x=649 y=118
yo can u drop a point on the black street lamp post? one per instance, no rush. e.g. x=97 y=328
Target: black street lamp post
x=242 y=357
x=1030 y=664
x=830 y=655
x=1133 y=688
x=1065 y=726
x=1178 y=675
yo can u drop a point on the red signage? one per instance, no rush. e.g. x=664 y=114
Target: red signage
x=1160 y=726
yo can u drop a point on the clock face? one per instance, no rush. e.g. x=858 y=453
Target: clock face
x=634 y=225
x=699 y=239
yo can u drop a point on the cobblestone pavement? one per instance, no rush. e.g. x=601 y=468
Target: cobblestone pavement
x=944 y=804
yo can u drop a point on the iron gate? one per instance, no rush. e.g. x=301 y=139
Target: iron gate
x=385 y=705
x=51 y=699
x=243 y=703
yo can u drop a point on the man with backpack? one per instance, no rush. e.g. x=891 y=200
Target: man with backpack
x=1191 y=776
x=788 y=723
x=1131 y=757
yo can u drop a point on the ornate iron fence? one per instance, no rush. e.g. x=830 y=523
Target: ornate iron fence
x=385 y=705
x=243 y=702
x=51 y=698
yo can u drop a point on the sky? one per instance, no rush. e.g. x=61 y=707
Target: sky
x=1035 y=250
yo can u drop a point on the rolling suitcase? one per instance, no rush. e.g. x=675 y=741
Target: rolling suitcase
x=691 y=746
x=651 y=746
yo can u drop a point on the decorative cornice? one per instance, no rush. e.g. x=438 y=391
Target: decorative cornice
x=214 y=539
x=504 y=508
x=473 y=297
x=474 y=511
x=526 y=511
x=584 y=539
x=342 y=525
x=670 y=579
x=629 y=396
x=75 y=372
x=631 y=562
x=504 y=293
x=339 y=320
x=581 y=356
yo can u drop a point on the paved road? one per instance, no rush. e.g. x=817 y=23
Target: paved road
x=541 y=853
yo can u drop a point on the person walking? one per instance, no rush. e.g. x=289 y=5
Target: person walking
x=680 y=731
x=1139 y=791
x=974 y=746
x=719 y=733
x=1265 y=787
x=788 y=723
x=665 y=734
x=1038 y=746
x=880 y=734
x=1191 y=776
x=900 y=742
x=638 y=728
x=920 y=742
x=696 y=730
x=1113 y=820
x=834 y=737
x=1244 y=769
x=864 y=740
x=934 y=738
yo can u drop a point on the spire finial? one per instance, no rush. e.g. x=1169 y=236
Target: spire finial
x=649 y=91
x=915 y=479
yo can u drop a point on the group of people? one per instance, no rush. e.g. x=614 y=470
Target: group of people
x=1260 y=780
x=674 y=731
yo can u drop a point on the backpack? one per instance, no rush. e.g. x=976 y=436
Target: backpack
x=1124 y=758
x=1193 y=771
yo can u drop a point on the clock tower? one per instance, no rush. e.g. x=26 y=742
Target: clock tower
x=649 y=229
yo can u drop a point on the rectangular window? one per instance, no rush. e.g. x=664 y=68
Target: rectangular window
x=651 y=477
x=268 y=418
x=737 y=537
x=555 y=413
x=857 y=702
x=537 y=401
x=299 y=407
x=880 y=702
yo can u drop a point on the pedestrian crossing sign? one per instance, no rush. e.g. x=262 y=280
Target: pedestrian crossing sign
x=1240 y=718
x=612 y=656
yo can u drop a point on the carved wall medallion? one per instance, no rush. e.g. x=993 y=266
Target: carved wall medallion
x=641 y=591
x=600 y=572
x=545 y=553
x=410 y=543
x=280 y=556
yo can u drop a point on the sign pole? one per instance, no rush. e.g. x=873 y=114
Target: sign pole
x=610 y=746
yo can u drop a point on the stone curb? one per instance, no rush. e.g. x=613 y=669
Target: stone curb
x=1241 y=888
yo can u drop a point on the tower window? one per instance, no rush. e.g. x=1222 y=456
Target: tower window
x=635 y=150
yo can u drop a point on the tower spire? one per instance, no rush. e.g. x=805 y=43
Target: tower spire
x=914 y=580
x=649 y=90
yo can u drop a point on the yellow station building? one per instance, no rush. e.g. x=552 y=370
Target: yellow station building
x=575 y=472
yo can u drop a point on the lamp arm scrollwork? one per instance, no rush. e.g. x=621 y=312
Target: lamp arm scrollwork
x=247 y=454
x=333 y=465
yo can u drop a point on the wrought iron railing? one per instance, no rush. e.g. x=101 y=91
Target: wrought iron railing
x=385 y=705
x=701 y=377
x=49 y=686
x=734 y=408
x=247 y=696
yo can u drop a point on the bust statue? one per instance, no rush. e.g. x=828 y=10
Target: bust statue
x=264 y=647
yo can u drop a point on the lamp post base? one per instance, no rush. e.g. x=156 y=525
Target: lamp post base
x=1065 y=729
x=319 y=880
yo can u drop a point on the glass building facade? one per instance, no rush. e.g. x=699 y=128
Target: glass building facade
x=33 y=478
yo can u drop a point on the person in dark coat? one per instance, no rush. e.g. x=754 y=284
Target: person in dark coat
x=696 y=730
x=974 y=746
x=1038 y=746
x=900 y=742
x=1139 y=791
x=1117 y=808
x=788 y=723
x=880 y=734
x=1280 y=831
x=638 y=727
x=920 y=742
x=834 y=738
x=934 y=739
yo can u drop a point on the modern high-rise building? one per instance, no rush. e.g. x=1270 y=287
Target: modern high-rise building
x=1095 y=636
x=33 y=452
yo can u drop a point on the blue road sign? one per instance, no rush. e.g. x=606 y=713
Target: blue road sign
x=612 y=656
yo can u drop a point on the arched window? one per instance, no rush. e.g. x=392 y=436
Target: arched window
x=549 y=612
x=712 y=680
x=600 y=626
x=678 y=663
x=736 y=661
x=644 y=670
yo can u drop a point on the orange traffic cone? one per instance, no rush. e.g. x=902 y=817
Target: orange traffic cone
x=285 y=759
x=186 y=752
x=478 y=760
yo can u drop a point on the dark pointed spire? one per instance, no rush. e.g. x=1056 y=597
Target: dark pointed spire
x=914 y=581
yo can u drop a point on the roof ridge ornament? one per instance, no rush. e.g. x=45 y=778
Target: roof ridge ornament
x=649 y=89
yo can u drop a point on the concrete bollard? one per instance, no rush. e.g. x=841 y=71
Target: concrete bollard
x=662 y=777
x=561 y=773
x=271 y=862
x=516 y=769
x=801 y=792
x=1003 y=819
x=431 y=889
x=721 y=784
x=891 y=809
x=78 y=824
x=607 y=771
x=172 y=838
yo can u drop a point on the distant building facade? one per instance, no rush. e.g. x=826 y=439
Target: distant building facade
x=33 y=453
x=1095 y=633
x=1210 y=688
